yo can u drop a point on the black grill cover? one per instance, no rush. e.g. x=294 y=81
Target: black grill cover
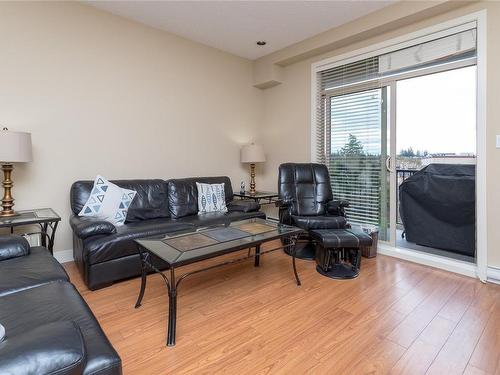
x=437 y=207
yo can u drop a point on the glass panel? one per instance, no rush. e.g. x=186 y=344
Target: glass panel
x=200 y=243
x=436 y=124
x=358 y=154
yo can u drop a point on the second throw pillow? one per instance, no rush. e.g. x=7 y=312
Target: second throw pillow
x=211 y=198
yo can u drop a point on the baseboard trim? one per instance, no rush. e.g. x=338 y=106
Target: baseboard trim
x=64 y=256
x=493 y=275
x=431 y=260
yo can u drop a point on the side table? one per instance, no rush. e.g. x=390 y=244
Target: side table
x=263 y=198
x=46 y=218
x=267 y=197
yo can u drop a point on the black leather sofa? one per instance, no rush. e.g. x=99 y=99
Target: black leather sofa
x=105 y=253
x=49 y=327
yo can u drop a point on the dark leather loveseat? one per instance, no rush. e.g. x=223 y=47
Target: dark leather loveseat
x=105 y=253
x=49 y=327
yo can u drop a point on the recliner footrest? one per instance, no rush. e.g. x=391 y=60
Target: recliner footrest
x=338 y=253
x=341 y=238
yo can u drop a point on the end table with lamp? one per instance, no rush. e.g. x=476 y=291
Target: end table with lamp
x=253 y=154
x=15 y=147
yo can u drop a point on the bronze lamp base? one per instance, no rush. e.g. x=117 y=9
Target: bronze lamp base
x=252 y=178
x=7 y=200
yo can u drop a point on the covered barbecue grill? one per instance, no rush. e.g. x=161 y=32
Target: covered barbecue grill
x=437 y=207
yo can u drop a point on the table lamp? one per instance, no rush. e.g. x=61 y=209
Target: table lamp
x=252 y=154
x=15 y=147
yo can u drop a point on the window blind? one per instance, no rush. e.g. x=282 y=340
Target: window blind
x=447 y=49
x=443 y=50
x=355 y=155
x=363 y=70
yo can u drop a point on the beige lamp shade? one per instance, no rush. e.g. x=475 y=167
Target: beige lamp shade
x=252 y=154
x=15 y=147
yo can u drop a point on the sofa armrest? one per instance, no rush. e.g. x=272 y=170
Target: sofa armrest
x=337 y=207
x=13 y=246
x=54 y=348
x=243 y=206
x=84 y=227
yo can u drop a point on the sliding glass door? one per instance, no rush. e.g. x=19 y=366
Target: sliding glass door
x=374 y=143
x=384 y=117
x=358 y=133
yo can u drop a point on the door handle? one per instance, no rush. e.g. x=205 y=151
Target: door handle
x=388 y=162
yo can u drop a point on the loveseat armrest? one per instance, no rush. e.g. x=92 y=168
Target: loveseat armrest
x=84 y=226
x=243 y=206
x=54 y=348
x=337 y=207
x=13 y=246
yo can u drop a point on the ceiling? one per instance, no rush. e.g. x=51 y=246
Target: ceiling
x=236 y=26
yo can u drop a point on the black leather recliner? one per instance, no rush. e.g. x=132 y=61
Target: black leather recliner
x=306 y=201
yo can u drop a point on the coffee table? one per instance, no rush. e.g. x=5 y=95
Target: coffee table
x=197 y=244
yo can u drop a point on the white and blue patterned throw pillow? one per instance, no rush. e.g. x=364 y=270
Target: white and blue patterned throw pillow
x=211 y=198
x=108 y=202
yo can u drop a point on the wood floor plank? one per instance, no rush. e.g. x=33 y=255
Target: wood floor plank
x=460 y=301
x=379 y=359
x=471 y=370
x=245 y=320
x=455 y=354
x=486 y=355
x=421 y=354
x=411 y=327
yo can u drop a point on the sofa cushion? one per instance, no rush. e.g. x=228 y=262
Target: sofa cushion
x=107 y=247
x=183 y=194
x=150 y=201
x=38 y=268
x=29 y=309
x=53 y=348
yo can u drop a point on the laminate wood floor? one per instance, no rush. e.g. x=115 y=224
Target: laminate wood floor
x=397 y=317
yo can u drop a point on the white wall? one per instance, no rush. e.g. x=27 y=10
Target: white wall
x=101 y=94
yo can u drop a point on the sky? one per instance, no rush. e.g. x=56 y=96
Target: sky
x=437 y=112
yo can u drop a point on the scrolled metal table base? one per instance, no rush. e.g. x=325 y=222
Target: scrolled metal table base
x=172 y=283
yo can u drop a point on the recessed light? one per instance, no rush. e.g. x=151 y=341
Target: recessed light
x=261 y=43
